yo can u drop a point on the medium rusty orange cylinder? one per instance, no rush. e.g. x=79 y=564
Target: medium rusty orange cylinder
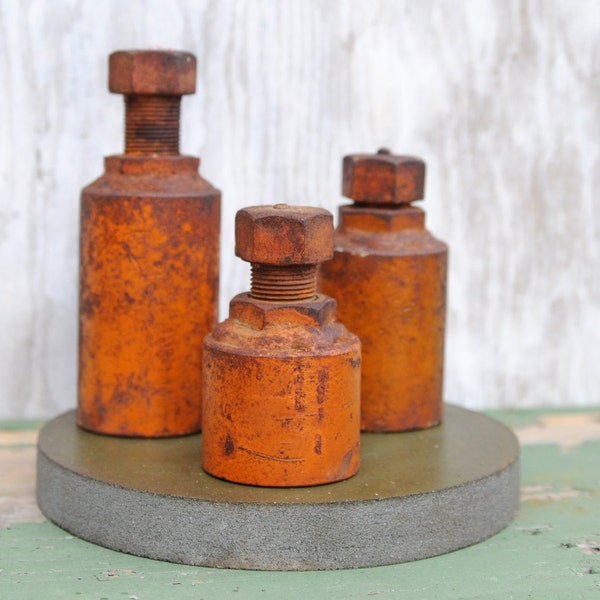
x=388 y=276
x=149 y=265
x=281 y=376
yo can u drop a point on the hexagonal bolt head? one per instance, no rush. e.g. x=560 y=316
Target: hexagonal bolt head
x=156 y=72
x=383 y=178
x=284 y=235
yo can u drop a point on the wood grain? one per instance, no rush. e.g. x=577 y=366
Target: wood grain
x=499 y=97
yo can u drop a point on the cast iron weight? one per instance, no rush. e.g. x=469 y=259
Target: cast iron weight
x=281 y=376
x=149 y=262
x=389 y=278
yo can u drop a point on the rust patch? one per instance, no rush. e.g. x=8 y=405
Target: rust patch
x=229 y=445
x=318 y=443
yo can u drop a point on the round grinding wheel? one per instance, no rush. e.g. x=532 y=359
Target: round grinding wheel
x=418 y=494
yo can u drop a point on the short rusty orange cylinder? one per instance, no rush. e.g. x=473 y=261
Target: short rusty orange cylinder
x=388 y=276
x=149 y=264
x=281 y=376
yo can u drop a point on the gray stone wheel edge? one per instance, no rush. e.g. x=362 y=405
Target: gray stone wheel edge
x=295 y=537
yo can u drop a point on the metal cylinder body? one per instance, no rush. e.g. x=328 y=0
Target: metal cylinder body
x=281 y=404
x=149 y=270
x=388 y=276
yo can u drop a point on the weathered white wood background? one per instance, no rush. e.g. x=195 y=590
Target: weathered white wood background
x=501 y=97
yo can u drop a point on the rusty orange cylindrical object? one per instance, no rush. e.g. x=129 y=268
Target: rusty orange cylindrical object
x=388 y=276
x=281 y=396
x=281 y=377
x=149 y=272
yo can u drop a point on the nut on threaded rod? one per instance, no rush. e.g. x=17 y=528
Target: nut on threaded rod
x=284 y=244
x=153 y=82
x=383 y=179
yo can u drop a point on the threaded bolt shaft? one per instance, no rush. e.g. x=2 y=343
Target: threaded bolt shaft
x=288 y=283
x=152 y=124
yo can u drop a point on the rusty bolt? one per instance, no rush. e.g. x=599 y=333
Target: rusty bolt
x=284 y=235
x=284 y=244
x=383 y=178
x=153 y=82
x=160 y=72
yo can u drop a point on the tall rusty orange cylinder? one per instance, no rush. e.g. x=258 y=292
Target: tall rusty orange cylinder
x=281 y=402
x=388 y=276
x=149 y=263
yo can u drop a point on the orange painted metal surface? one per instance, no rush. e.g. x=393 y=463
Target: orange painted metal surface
x=388 y=276
x=149 y=263
x=281 y=376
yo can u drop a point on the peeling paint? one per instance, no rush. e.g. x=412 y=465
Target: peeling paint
x=589 y=547
x=566 y=430
x=17 y=484
x=11 y=439
x=547 y=493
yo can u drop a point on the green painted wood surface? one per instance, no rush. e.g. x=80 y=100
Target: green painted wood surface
x=552 y=550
